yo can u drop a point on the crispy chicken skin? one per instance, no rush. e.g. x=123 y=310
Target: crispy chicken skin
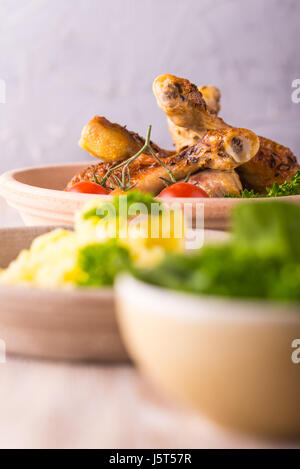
x=112 y=142
x=183 y=137
x=188 y=117
x=273 y=163
x=216 y=150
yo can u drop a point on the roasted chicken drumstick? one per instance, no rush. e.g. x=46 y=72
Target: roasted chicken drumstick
x=189 y=116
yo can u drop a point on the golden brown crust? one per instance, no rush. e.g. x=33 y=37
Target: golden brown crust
x=217 y=183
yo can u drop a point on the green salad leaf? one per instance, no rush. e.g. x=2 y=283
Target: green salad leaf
x=100 y=263
x=262 y=259
x=268 y=228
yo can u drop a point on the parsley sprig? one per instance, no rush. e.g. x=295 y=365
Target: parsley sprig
x=278 y=190
x=287 y=188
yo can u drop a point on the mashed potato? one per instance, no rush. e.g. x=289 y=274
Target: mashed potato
x=50 y=262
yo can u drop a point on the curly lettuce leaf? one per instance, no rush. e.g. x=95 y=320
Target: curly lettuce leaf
x=262 y=259
x=100 y=263
x=268 y=228
x=226 y=272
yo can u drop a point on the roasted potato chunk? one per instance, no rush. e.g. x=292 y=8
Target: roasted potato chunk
x=108 y=141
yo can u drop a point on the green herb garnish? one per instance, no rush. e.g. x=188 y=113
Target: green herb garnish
x=278 y=190
x=287 y=188
x=245 y=195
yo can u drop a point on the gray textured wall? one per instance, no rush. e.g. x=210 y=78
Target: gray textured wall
x=65 y=60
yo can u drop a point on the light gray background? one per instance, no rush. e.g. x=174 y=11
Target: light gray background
x=65 y=60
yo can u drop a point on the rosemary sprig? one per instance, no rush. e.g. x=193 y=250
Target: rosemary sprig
x=171 y=175
x=124 y=183
x=97 y=179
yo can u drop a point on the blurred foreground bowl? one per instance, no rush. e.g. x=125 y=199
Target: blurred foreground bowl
x=229 y=359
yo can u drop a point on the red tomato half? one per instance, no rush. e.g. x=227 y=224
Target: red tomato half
x=183 y=189
x=87 y=187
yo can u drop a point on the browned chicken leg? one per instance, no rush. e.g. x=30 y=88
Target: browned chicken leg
x=188 y=117
x=222 y=150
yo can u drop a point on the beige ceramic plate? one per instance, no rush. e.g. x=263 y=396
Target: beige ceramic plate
x=75 y=325
x=37 y=193
x=229 y=359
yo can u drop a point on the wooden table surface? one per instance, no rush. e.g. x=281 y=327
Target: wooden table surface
x=63 y=405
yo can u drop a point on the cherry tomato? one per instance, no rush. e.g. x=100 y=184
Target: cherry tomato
x=87 y=187
x=183 y=189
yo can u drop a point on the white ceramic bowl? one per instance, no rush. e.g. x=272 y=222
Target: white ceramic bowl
x=229 y=359
x=38 y=194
